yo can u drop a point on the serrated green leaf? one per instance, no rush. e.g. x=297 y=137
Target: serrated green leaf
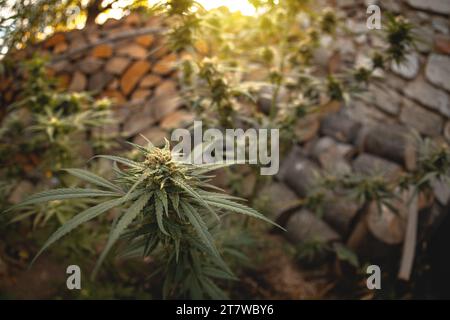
x=79 y=219
x=239 y=208
x=128 y=217
x=62 y=194
x=160 y=216
x=92 y=178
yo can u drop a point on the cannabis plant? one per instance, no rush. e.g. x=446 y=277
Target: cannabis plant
x=167 y=210
x=48 y=123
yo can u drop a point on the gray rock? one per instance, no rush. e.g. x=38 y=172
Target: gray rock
x=393 y=6
x=139 y=121
x=437 y=70
x=440 y=25
x=409 y=68
x=90 y=65
x=419 y=118
x=366 y=113
x=299 y=173
x=438 y=6
x=276 y=199
x=428 y=95
x=162 y=105
x=368 y=164
x=386 y=99
x=78 y=82
x=333 y=156
x=98 y=81
x=339 y=213
x=426 y=36
x=395 y=82
x=345 y=3
x=305 y=226
x=340 y=126
x=62 y=66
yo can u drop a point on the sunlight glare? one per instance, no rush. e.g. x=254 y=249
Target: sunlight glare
x=233 y=5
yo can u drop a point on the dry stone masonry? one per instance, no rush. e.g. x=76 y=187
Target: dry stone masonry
x=128 y=61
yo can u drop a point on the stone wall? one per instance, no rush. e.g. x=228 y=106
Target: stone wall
x=415 y=94
x=128 y=61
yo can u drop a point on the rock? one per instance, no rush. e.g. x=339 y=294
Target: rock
x=61 y=66
x=345 y=3
x=425 y=35
x=442 y=44
x=342 y=150
x=117 y=65
x=54 y=40
x=20 y=191
x=409 y=68
x=395 y=82
x=113 y=85
x=133 y=51
x=333 y=156
x=78 y=82
x=307 y=127
x=161 y=50
x=102 y=51
x=340 y=127
x=60 y=48
x=115 y=96
x=441 y=25
x=368 y=164
x=98 y=81
x=392 y=142
x=140 y=95
x=438 y=6
x=63 y=81
x=339 y=213
x=386 y=99
x=428 y=95
x=163 y=105
x=437 y=70
x=419 y=118
x=165 y=65
x=149 y=81
x=166 y=88
x=387 y=226
x=276 y=199
x=138 y=122
x=121 y=114
x=305 y=226
x=145 y=40
x=155 y=134
x=177 y=119
x=133 y=74
x=90 y=65
x=79 y=41
x=300 y=175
